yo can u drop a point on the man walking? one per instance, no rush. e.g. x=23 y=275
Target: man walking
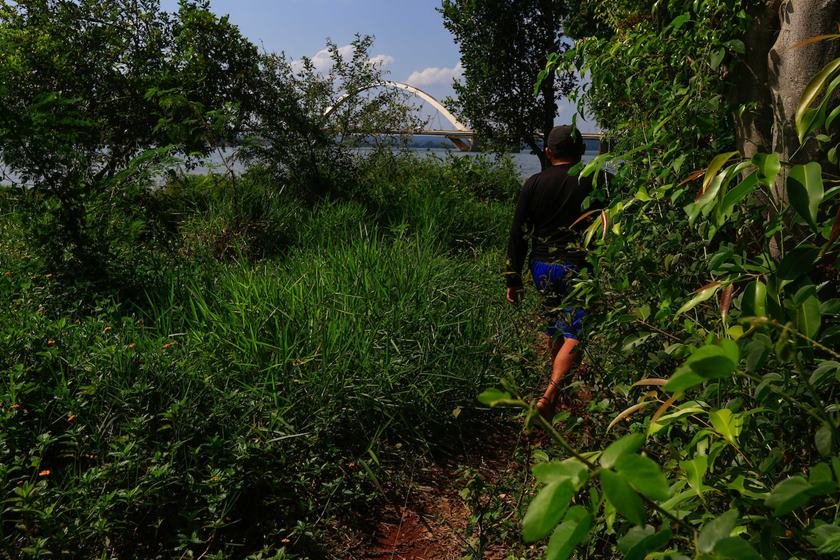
x=548 y=204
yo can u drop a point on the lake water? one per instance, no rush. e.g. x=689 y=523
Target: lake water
x=526 y=163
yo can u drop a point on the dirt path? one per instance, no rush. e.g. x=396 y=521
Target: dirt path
x=454 y=502
x=465 y=501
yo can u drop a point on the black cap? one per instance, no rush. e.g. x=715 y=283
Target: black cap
x=566 y=140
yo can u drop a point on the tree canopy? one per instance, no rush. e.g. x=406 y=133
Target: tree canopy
x=504 y=44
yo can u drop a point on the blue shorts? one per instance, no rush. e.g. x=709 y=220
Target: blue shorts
x=552 y=281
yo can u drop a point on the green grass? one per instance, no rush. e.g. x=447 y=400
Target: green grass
x=276 y=343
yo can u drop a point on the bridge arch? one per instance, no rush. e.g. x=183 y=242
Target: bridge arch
x=459 y=126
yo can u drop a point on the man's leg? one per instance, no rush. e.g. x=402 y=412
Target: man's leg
x=562 y=362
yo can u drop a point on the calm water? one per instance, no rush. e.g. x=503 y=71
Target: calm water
x=526 y=163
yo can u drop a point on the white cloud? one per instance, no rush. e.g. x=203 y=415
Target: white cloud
x=434 y=76
x=322 y=60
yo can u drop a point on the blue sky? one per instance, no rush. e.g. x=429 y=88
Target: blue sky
x=410 y=38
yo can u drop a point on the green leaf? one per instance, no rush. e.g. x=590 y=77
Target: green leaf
x=736 y=195
x=809 y=95
x=808 y=317
x=823 y=439
x=682 y=380
x=805 y=191
x=754 y=300
x=627 y=445
x=824 y=372
x=695 y=471
x=717 y=58
x=495 y=397
x=546 y=510
x=640 y=541
x=717 y=530
x=789 y=495
x=768 y=166
x=727 y=424
x=711 y=362
x=832 y=117
x=571 y=469
x=644 y=476
x=679 y=21
x=714 y=166
x=757 y=351
x=826 y=539
x=797 y=262
x=569 y=534
x=622 y=497
x=699 y=297
x=735 y=548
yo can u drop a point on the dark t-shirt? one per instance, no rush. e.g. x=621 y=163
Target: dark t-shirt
x=548 y=204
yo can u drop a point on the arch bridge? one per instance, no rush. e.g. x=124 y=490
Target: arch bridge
x=461 y=135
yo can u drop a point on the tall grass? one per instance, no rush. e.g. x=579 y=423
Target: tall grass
x=229 y=408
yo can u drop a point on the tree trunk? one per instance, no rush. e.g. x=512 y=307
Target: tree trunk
x=792 y=67
x=776 y=72
x=751 y=88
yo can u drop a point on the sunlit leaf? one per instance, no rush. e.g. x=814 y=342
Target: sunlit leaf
x=695 y=471
x=546 y=510
x=571 y=469
x=569 y=534
x=727 y=424
x=630 y=443
x=628 y=412
x=809 y=95
x=699 y=297
x=805 y=191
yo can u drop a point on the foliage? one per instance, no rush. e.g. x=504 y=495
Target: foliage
x=503 y=46
x=96 y=91
x=245 y=400
x=725 y=313
x=303 y=110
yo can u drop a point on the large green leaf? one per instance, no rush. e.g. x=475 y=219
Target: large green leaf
x=644 y=475
x=734 y=196
x=805 y=191
x=826 y=539
x=571 y=469
x=695 y=471
x=768 y=167
x=809 y=95
x=569 y=534
x=727 y=424
x=639 y=541
x=495 y=397
x=798 y=262
x=682 y=380
x=789 y=495
x=712 y=361
x=714 y=166
x=622 y=497
x=546 y=510
x=698 y=298
x=735 y=548
x=717 y=530
x=627 y=445
x=808 y=317
x=754 y=300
